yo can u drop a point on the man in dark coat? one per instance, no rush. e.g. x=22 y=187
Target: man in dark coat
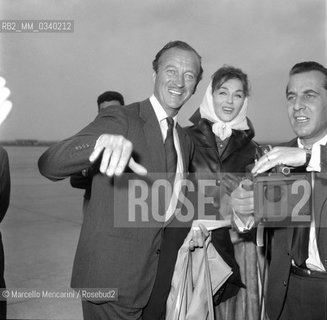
x=141 y=138
x=4 y=204
x=5 y=108
x=297 y=279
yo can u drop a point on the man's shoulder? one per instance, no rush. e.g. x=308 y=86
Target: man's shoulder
x=290 y=143
x=133 y=109
x=323 y=159
x=3 y=153
x=4 y=162
x=130 y=110
x=121 y=112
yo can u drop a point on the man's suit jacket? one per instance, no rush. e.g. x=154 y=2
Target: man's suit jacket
x=279 y=269
x=4 y=204
x=108 y=256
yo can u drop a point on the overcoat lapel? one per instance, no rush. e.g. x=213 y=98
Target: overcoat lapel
x=233 y=144
x=208 y=137
x=183 y=145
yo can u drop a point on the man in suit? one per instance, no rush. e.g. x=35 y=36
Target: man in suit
x=141 y=138
x=4 y=204
x=5 y=107
x=297 y=279
x=83 y=180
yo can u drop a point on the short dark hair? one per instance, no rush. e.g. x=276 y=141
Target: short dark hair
x=226 y=73
x=109 y=96
x=179 y=45
x=308 y=66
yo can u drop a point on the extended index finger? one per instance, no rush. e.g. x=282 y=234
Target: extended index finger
x=137 y=168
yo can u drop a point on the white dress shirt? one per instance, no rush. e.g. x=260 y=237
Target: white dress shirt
x=314 y=262
x=161 y=116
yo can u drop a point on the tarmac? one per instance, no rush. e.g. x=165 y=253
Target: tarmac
x=40 y=233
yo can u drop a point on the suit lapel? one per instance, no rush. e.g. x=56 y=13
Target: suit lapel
x=318 y=198
x=290 y=231
x=153 y=137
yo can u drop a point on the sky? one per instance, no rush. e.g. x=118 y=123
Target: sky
x=55 y=78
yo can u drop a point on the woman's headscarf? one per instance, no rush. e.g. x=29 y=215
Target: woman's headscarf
x=220 y=128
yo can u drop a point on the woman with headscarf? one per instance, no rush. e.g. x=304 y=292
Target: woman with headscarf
x=223 y=135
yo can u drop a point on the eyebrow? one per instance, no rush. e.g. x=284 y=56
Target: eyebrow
x=239 y=90
x=170 y=66
x=310 y=91
x=305 y=91
x=175 y=67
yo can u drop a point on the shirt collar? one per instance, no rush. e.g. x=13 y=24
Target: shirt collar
x=322 y=141
x=160 y=111
x=315 y=162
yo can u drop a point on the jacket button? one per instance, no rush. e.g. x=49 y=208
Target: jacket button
x=284 y=283
x=158 y=251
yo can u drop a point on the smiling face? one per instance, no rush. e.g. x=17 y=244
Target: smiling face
x=228 y=99
x=307 y=105
x=176 y=79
